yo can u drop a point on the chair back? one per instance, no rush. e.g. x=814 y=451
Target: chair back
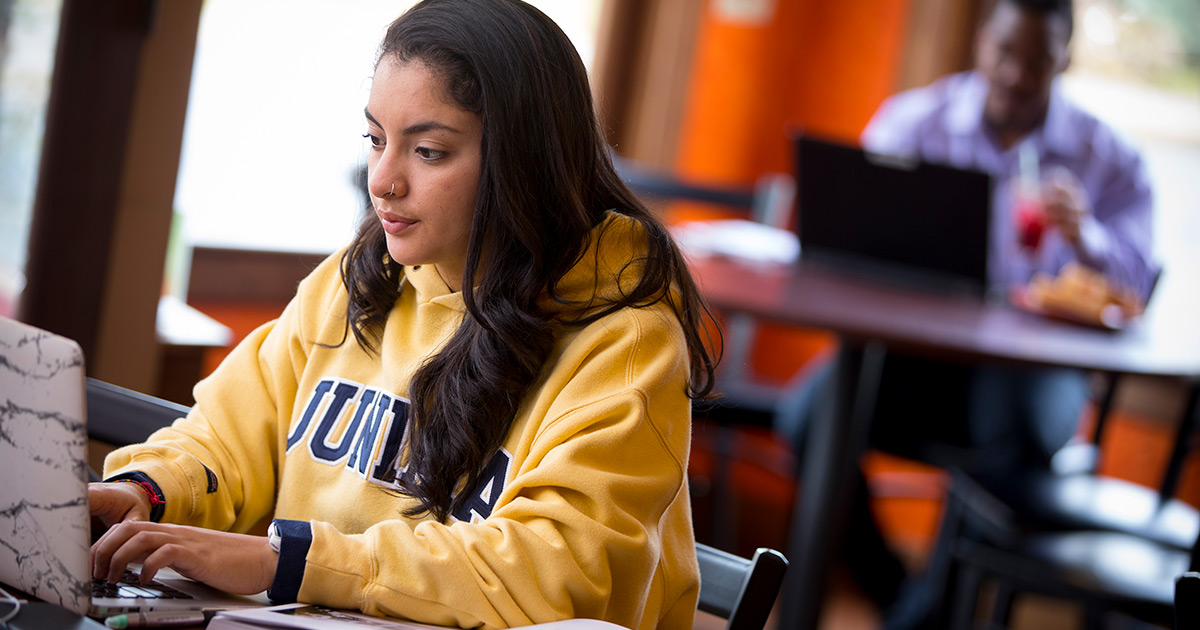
x=770 y=201
x=1187 y=601
x=120 y=416
x=738 y=589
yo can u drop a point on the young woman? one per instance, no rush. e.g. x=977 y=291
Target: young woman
x=477 y=414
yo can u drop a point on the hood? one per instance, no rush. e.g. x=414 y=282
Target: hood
x=610 y=265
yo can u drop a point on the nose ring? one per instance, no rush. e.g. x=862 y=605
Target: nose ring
x=392 y=190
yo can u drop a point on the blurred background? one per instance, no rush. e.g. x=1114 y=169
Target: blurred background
x=170 y=169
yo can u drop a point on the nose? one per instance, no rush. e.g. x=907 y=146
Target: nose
x=1010 y=73
x=385 y=178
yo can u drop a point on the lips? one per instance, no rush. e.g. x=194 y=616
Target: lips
x=395 y=224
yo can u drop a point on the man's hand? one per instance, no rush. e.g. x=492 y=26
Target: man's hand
x=1066 y=203
x=237 y=563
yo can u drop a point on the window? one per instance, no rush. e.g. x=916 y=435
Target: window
x=28 y=34
x=273 y=139
x=1136 y=65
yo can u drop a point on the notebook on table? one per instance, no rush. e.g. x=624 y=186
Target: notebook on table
x=893 y=219
x=306 y=617
x=45 y=526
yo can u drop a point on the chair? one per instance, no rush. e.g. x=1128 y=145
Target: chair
x=1187 y=601
x=770 y=201
x=1075 y=496
x=1105 y=571
x=1072 y=495
x=1061 y=518
x=120 y=416
x=740 y=590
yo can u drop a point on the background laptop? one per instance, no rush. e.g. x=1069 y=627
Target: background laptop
x=904 y=221
x=45 y=526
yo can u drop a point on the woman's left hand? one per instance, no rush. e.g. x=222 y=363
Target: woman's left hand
x=237 y=563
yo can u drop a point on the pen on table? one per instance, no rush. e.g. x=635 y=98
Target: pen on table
x=160 y=619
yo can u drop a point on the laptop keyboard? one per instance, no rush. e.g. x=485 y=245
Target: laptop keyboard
x=129 y=588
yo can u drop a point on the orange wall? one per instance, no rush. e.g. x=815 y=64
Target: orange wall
x=824 y=66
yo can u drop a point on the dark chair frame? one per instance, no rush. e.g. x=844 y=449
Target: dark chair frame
x=122 y=416
x=982 y=536
x=981 y=541
x=741 y=590
x=119 y=416
x=1187 y=601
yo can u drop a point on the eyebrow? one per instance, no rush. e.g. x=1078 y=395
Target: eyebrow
x=421 y=127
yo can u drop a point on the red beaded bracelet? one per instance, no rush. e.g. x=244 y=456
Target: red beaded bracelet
x=148 y=489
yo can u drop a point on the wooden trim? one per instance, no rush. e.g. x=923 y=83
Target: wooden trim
x=662 y=72
x=616 y=54
x=247 y=276
x=640 y=75
x=128 y=352
x=83 y=148
x=941 y=40
x=106 y=186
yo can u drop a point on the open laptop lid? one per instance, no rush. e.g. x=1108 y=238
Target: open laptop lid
x=44 y=520
x=45 y=525
x=903 y=221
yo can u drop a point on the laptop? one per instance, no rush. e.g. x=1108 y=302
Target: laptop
x=45 y=526
x=896 y=220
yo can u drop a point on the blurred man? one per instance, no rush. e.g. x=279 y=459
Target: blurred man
x=1090 y=195
x=1094 y=188
x=1090 y=202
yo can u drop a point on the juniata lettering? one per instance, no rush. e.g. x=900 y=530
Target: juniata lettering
x=486 y=493
x=310 y=410
x=397 y=434
x=388 y=420
x=378 y=425
x=369 y=429
x=318 y=445
x=364 y=445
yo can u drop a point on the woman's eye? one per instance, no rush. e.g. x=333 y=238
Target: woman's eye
x=430 y=154
x=376 y=141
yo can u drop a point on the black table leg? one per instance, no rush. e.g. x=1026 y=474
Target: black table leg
x=837 y=438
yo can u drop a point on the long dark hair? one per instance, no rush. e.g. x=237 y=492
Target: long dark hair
x=546 y=181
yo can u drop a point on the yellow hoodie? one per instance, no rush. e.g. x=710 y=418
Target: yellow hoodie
x=583 y=513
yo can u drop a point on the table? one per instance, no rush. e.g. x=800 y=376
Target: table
x=871 y=318
x=39 y=615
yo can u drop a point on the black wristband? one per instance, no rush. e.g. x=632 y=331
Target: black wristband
x=158 y=503
x=293 y=553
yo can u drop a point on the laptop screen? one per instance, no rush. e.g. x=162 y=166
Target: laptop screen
x=898 y=220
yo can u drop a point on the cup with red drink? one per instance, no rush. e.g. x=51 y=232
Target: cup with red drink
x=1031 y=221
x=1030 y=211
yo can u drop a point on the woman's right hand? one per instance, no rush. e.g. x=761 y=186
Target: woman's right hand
x=115 y=502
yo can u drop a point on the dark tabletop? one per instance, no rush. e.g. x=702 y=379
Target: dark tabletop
x=1163 y=342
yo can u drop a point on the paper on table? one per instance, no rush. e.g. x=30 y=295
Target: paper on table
x=304 y=616
x=737 y=238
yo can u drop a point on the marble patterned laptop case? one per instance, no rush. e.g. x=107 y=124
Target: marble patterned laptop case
x=44 y=518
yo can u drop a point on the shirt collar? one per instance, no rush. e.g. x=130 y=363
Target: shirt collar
x=965 y=114
x=1057 y=134
x=964 y=117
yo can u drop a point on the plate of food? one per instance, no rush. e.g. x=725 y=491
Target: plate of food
x=1080 y=295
